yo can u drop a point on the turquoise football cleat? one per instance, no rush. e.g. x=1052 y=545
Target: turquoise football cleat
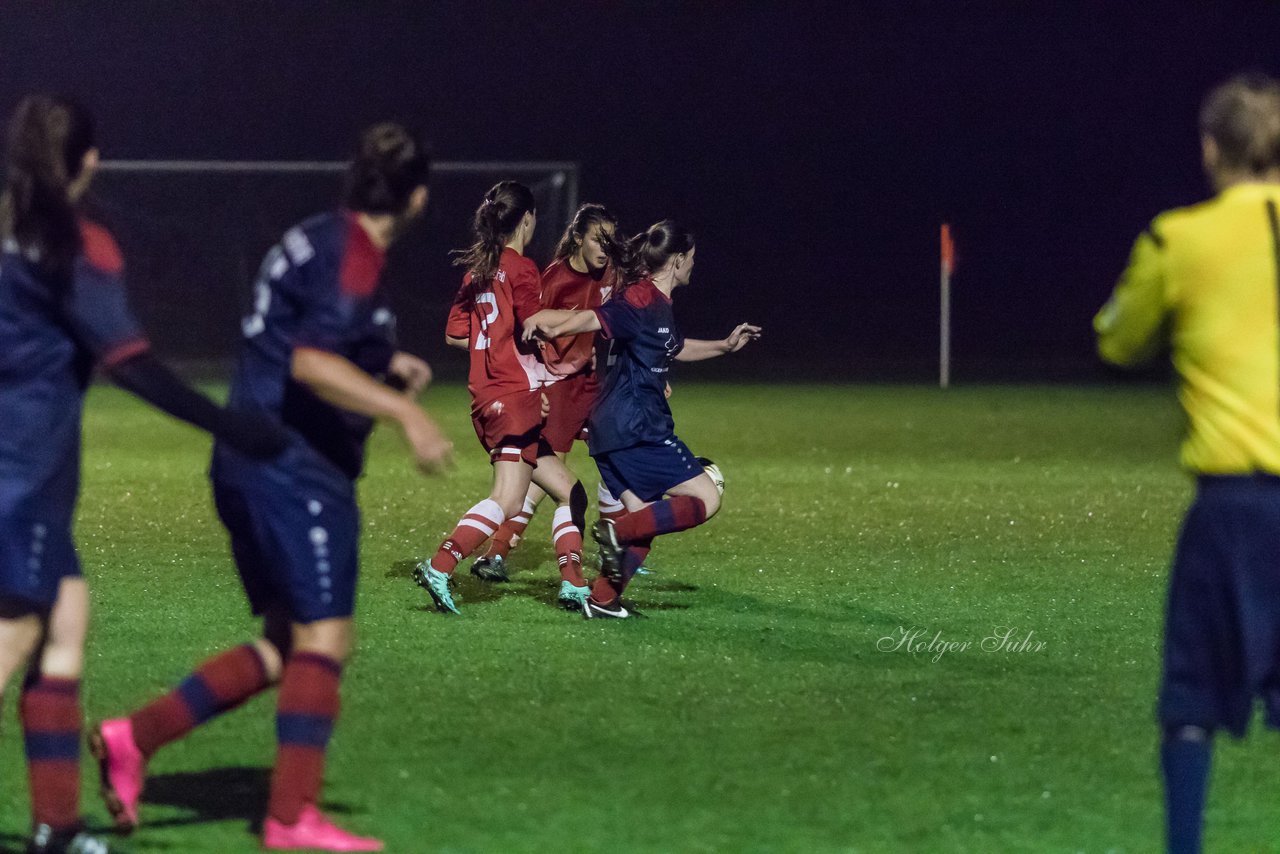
x=436 y=583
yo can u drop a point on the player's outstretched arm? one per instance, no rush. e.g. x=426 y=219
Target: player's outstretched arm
x=249 y=433
x=460 y=343
x=696 y=349
x=340 y=382
x=553 y=323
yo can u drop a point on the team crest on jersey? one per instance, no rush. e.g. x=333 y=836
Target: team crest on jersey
x=500 y=276
x=497 y=407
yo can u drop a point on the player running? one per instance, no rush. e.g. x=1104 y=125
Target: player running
x=1204 y=280
x=499 y=292
x=632 y=435
x=578 y=278
x=316 y=348
x=63 y=309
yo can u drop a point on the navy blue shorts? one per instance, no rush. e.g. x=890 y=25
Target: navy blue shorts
x=35 y=555
x=648 y=470
x=1222 y=628
x=295 y=531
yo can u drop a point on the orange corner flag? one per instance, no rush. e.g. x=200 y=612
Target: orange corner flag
x=948 y=249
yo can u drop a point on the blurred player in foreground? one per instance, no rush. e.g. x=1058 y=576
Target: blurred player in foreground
x=316 y=347
x=1205 y=280
x=63 y=309
x=578 y=278
x=632 y=435
x=500 y=290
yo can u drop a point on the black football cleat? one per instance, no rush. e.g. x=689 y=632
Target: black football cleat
x=610 y=549
x=489 y=568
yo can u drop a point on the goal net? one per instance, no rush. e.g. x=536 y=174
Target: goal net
x=194 y=232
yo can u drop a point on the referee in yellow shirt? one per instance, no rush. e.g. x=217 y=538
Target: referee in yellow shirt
x=1204 y=282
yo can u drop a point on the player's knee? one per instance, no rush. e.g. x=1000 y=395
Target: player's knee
x=332 y=638
x=710 y=500
x=272 y=655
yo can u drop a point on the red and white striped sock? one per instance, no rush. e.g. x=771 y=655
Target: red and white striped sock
x=610 y=507
x=511 y=531
x=479 y=524
x=567 y=540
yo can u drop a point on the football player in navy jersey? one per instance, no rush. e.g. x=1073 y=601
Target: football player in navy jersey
x=631 y=432
x=317 y=358
x=63 y=310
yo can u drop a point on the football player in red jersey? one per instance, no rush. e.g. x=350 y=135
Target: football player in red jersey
x=632 y=436
x=579 y=278
x=499 y=292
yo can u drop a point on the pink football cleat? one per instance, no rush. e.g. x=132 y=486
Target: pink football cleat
x=123 y=770
x=313 y=830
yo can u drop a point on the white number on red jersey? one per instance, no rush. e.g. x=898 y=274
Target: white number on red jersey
x=490 y=314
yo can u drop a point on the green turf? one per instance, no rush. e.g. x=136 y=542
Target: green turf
x=753 y=710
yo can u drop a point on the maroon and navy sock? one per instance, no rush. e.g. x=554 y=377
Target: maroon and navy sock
x=677 y=513
x=605 y=591
x=50 y=712
x=479 y=524
x=216 y=686
x=305 y=715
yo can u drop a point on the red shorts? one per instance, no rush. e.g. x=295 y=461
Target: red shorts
x=571 y=401
x=510 y=428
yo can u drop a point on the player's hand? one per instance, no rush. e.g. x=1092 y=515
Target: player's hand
x=414 y=374
x=432 y=452
x=666 y=390
x=546 y=406
x=741 y=334
x=532 y=329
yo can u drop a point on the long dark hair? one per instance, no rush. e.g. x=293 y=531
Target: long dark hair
x=48 y=138
x=389 y=164
x=587 y=216
x=645 y=254
x=498 y=216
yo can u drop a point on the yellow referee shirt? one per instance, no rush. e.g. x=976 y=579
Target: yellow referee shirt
x=1205 y=280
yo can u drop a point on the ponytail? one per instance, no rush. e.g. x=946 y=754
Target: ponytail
x=496 y=219
x=645 y=253
x=48 y=138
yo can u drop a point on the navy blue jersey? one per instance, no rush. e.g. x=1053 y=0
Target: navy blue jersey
x=318 y=288
x=51 y=334
x=640 y=328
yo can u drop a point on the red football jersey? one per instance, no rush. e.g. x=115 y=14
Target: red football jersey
x=565 y=288
x=492 y=320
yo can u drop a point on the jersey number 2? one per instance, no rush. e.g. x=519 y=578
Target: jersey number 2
x=490 y=303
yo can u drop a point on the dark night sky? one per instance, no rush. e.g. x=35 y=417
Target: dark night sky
x=813 y=147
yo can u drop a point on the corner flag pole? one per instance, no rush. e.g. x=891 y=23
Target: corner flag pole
x=948 y=261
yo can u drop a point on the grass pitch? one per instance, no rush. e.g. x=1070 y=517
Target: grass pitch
x=769 y=703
